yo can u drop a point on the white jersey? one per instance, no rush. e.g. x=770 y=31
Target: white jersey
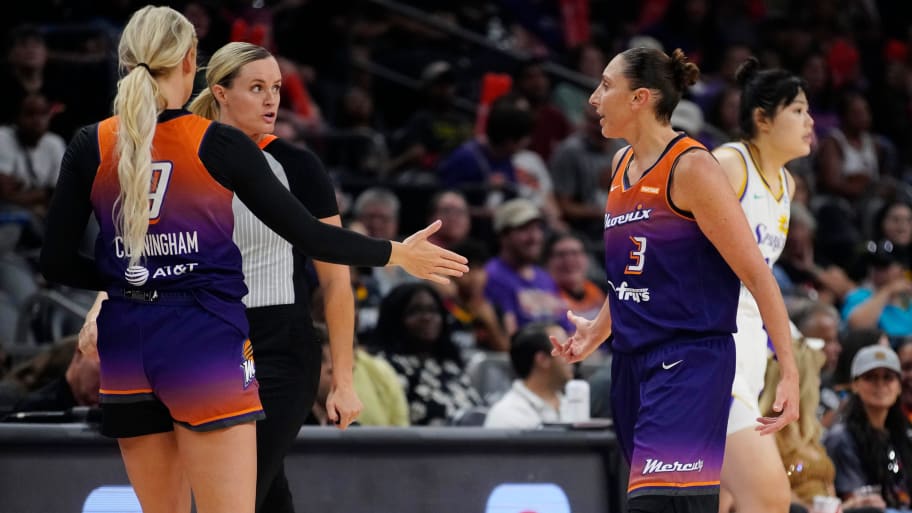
x=768 y=217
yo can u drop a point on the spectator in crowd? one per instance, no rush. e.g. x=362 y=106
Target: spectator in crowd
x=435 y=130
x=516 y=283
x=42 y=371
x=567 y=262
x=483 y=168
x=451 y=207
x=478 y=323
x=884 y=300
x=413 y=336
x=820 y=93
x=589 y=60
x=809 y=468
x=893 y=222
x=379 y=389
x=77 y=385
x=798 y=270
x=549 y=125
x=835 y=391
x=533 y=179
x=870 y=446
x=30 y=156
x=535 y=397
x=581 y=170
x=24 y=73
x=821 y=321
x=374 y=380
x=377 y=210
x=904 y=351
x=358 y=147
x=850 y=156
x=722 y=116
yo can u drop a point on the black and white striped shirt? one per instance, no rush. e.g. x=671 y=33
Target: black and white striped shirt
x=269 y=261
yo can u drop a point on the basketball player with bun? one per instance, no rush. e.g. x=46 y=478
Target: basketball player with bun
x=677 y=244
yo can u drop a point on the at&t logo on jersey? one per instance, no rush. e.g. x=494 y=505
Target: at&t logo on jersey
x=625 y=293
x=247 y=366
x=137 y=275
x=627 y=217
x=174 y=270
x=655 y=466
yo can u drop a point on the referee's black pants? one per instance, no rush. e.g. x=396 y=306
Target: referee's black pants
x=287 y=359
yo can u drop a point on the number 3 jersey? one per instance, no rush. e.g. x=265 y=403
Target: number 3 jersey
x=668 y=283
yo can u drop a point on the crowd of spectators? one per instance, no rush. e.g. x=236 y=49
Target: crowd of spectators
x=417 y=120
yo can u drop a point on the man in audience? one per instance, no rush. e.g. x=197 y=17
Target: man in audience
x=535 y=397
x=516 y=283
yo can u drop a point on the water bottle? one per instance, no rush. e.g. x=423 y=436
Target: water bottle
x=575 y=407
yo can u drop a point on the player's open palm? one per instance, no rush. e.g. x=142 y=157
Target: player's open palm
x=428 y=261
x=581 y=344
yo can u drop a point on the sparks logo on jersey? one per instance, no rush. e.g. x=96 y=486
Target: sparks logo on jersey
x=247 y=366
x=770 y=238
x=627 y=217
x=783 y=224
x=625 y=293
x=655 y=466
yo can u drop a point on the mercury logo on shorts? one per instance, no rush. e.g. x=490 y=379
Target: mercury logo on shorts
x=655 y=466
x=247 y=366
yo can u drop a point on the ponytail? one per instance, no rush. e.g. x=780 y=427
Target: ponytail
x=155 y=42
x=137 y=103
x=205 y=105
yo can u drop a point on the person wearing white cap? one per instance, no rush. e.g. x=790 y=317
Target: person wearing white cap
x=517 y=285
x=870 y=446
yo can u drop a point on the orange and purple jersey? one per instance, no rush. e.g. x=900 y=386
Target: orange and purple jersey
x=189 y=241
x=668 y=282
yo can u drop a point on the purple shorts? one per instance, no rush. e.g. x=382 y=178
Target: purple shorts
x=670 y=414
x=178 y=357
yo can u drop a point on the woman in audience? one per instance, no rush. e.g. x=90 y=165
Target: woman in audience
x=870 y=447
x=809 y=469
x=413 y=336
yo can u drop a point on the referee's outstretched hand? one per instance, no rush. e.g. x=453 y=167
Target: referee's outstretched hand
x=421 y=258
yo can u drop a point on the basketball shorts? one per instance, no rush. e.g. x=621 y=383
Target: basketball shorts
x=752 y=349
x=671 y=407
x=174 y=361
